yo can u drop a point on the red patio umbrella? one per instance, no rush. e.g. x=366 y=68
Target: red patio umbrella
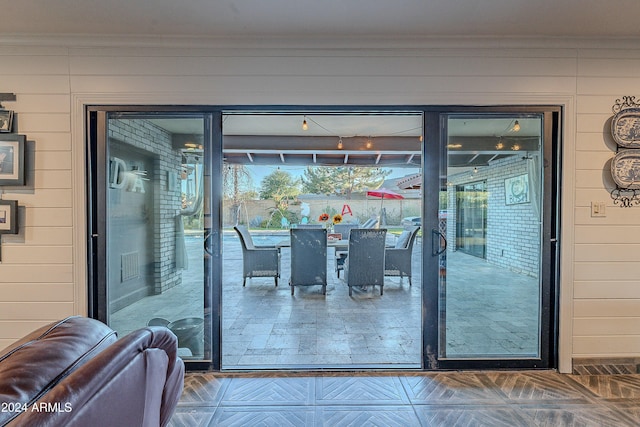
x=383 y=193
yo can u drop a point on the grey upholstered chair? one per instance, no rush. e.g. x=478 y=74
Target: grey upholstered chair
x=370 y=223
x=308 y=258
x=397 y=260
x=365 y=262
x=340 y=256
x=257 y=261
x=344 y=228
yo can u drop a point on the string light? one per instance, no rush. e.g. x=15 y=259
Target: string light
x=369 y=142
x=516 y=126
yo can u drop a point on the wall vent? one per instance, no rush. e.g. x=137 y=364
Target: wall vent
x=129 y=266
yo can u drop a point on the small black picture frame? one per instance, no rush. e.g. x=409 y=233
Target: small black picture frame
x=12 y=159
x=8 y=217
x=6 y=121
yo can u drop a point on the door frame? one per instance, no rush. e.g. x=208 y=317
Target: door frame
x=433 y=154
x=96 y=170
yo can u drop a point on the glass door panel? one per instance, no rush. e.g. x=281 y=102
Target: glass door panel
x=490 y=279
x=288 y=170
x=154 y=227
x=471 y=218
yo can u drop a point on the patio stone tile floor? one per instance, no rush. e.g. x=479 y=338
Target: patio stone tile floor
x=489 y=310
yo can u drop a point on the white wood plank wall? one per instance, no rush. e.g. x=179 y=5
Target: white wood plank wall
x=39 y=280
x=607 y=250
x=36 y=273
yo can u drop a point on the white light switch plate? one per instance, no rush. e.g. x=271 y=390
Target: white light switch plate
x=598 y=209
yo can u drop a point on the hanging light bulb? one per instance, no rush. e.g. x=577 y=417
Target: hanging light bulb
x=500 y=144
x=305 y=126
x=340 y=143
x=475 y=170
x=369 y=144
x=516 y=126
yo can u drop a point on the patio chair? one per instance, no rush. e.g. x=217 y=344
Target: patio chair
x=365 y=262
x=344 y=229
x=397 y=260
x=340 y=256
x=370 y=223
x=257 y=261
x=308 y=258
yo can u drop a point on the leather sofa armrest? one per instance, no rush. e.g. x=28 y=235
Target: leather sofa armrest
x=119 y=386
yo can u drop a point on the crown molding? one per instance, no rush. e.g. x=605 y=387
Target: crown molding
x=360 y=42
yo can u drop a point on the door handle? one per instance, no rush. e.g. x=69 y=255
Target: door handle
x=207 y=243
x=437 y=240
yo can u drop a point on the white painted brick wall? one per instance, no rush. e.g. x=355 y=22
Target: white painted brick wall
x=513 y=231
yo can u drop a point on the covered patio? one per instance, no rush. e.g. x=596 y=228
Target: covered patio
x=488 y=308
x=264 y=327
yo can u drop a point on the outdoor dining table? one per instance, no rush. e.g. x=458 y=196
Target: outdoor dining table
x=338 y=244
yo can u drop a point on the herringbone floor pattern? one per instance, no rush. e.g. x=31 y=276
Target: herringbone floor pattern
x=524 y=398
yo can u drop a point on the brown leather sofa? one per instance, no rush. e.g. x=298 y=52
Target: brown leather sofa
x=76 y=372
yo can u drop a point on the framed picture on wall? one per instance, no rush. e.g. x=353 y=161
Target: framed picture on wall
x=516 y=189
x=12 y=159
x=8 y=217
x=6 y=120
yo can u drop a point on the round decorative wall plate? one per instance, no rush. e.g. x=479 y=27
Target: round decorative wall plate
x=625 y=128
x=625 y=169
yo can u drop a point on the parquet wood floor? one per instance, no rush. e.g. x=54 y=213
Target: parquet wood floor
x=489 y=398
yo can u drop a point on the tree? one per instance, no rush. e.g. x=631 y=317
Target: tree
x=237 y=183
x=343 y=180
x=279 y=185
x=237 y=186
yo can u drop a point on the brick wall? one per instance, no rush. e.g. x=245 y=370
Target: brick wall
x=513 y=230
x=154 y=141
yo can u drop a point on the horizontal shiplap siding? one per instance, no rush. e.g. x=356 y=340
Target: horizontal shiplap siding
x=322 y=76
x=36 y=274
x=37 y=282
x=607 y=250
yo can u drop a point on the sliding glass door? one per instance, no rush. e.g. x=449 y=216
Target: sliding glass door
x=494 y=283
x=149 y=264
x=471 y=218
x=467 y=197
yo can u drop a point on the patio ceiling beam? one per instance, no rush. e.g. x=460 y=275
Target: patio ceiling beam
x=334 y=157
x=321 y=143
x=322 y=152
